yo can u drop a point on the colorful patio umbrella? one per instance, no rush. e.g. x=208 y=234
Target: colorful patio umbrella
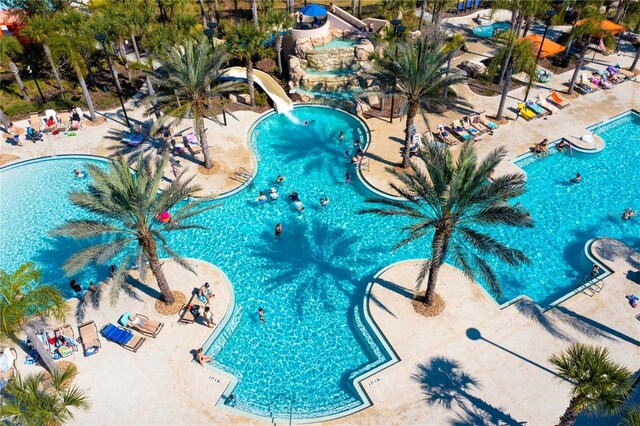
x=313 y=10
x=607 y=25
x=549 y=47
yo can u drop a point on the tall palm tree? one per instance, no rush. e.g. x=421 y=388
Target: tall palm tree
x=10 y=47
x=584 y=32
x=598 y=383
x=277 y=21
x=36 y=400
x=452 y=45
x=24 y=302
x=453 y=201
x=39 y=29
x=417 y=75
x=75 y=44
x=254 y=12
x=517 y=18
x=246 y=42
x=521 y=58
x=127 y=207
x=186 y=81
x=631 y=416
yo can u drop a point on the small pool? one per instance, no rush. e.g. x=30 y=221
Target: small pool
x=487 y=31
x=337 y=43
x=33 y=200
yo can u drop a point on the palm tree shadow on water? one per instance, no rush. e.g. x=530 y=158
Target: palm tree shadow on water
x=445 y=383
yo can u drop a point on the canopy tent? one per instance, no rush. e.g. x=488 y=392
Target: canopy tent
x=313 y=10
x=607 y=25
x=549 y=47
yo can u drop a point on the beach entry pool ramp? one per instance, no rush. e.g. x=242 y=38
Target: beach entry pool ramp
x=281 y=101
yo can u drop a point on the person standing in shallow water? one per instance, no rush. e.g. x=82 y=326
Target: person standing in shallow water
x=278 y=230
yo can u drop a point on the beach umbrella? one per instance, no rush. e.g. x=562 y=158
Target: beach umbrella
x=313 y=10
x=548 y=46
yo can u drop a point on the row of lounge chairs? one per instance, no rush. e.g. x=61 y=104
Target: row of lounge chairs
x=470 y=127
x=544 y=105
x=52 y=121
x=602 y=79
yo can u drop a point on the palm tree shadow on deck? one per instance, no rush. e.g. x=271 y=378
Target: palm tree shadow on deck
x=445 y=383
x=396 y=288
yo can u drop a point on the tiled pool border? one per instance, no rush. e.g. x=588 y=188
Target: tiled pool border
x=53 y=157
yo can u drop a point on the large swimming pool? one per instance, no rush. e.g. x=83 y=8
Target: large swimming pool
x=311 y=281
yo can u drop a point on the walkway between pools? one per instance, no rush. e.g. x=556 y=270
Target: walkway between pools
x=281 y=101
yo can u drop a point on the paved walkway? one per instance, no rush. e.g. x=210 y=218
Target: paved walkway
x=464 y=366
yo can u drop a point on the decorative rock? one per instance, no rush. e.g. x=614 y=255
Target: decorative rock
x=324 y=39
x=415 y=35
x=473 y=67
x=303 y=46
x=363 y=50
x=233 y=97
x=244 y=98
x=294 y=62
x=330 y=59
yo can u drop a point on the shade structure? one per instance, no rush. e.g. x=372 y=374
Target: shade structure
x=549 y=47
x=607 y=25
x=313 y=10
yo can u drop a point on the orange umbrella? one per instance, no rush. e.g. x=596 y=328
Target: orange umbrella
x=548 y=47
x=607 y=25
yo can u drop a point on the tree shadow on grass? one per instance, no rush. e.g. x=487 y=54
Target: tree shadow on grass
x=445 y=383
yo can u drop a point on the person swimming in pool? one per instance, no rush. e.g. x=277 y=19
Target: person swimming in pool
x=324 y=201
x=261 y=198
x=628 y=214
x=293 y=195
x=273 y=194
x=299 y=206
x=341 y=137
x=79 y=173
x=347 y=178
x=280 y=178
x=261 y=316
x=576 y=179
x=278 y=230
x=561 y=146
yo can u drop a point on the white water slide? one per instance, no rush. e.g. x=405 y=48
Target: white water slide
x=281 y=101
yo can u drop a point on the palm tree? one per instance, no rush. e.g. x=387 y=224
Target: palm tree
x=417 y=75
x=38 y=29
x=277 y=21
x=10 y=47
x=75 y=44
x=521 y=58
x=36 y=400
x=631 y=416
x=127 y=207
x=589 y=28
x=245 y=42
x=454 y=44
x=598 y=383
x=186 y=81
x=254 y=12
x=24 y=302
x=447 y=201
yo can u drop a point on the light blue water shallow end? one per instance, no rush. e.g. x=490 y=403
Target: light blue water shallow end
x=486 y=31
x=311 y=282
x=337 y=43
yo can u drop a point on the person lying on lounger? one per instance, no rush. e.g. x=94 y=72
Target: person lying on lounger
x=141 y=324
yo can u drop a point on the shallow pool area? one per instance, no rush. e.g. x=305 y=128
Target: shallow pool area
x=337 y=43
x=311 y=282
x=487 y=31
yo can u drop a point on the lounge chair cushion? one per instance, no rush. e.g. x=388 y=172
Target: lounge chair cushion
x=116 y=334
x=124 y=319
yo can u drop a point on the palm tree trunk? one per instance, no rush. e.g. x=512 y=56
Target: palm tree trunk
x=505 y=91
x=252 y=90
x=90 y=75
x=445 y=91
x=44 y=353
x=279 y=52
x=123 y=55
x=353 y=7
x=254 y=12
x=87 y=96
x=422 y=10
x=411 y=114
x=202 y=135
x=202 y=14
x=54 y=68
x=527 y=25
x=440 y=239
x=576 y=72
x=151 y=252
x=135 y=46
x=635 y=60
x=508 y=56
x=570 y=415
x=16 y=75
x=151 y=92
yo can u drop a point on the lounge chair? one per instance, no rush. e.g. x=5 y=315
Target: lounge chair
x=34 y=121
x=525 y=112
x=191 y=143
x=8 y=368
x=490 y=124
x=445 y=136
x=67 y=332
x=64 y=121
x=89 y=338
x=536 y=108
x=473 y=131
x=474 y=120
x=122 y=337
x=157 y=325
x=546 y=104
x=45 y=127
x=460 y=131
x=560 y=103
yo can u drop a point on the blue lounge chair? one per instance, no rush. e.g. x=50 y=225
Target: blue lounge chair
x=536 y=108
x=460 y=6
x=469 y=4
x=123 y=337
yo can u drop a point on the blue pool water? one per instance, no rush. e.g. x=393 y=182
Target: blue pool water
x=311 y=282
x=486 y=31
x=337 y=43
